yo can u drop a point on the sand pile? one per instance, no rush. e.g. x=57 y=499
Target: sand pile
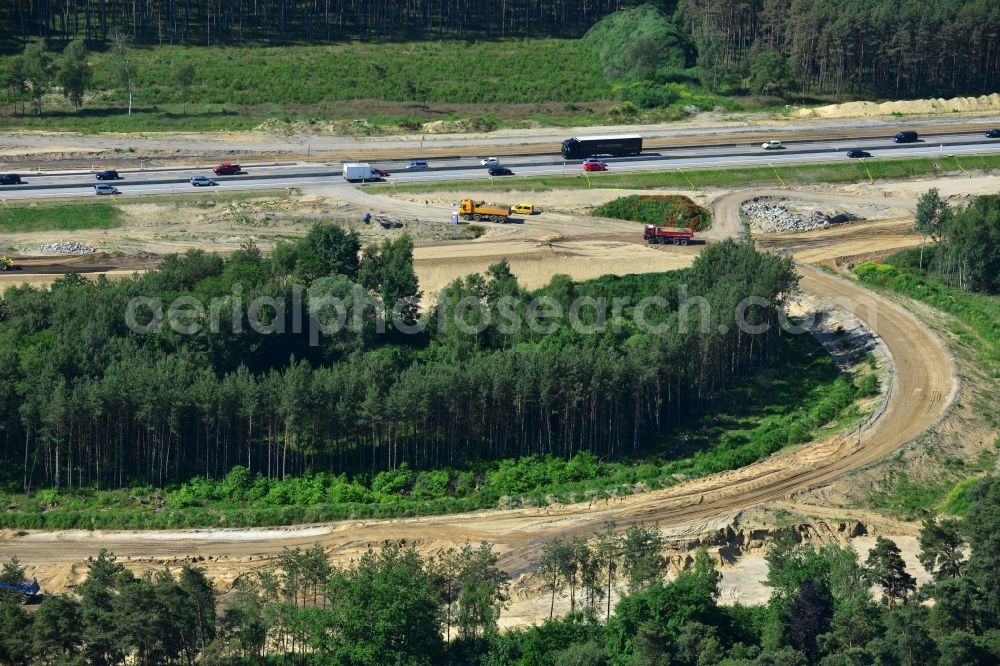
x=461 y=126
x=915 y=106
x=356 y=127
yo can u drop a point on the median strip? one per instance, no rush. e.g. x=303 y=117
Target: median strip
x=792 y=174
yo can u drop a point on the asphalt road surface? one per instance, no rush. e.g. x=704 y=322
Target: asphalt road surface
x=47 y=184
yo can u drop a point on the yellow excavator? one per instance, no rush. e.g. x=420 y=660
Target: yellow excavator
x=6 y=263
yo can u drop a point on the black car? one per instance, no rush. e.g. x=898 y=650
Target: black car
x=855 y=154
x=108 y=174
x=501 y=171
x=10 y=179
x=905 y=137
x=993 y=134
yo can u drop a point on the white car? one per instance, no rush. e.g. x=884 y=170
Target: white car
x=104 y=188
x=490 y=162
x=771 y=145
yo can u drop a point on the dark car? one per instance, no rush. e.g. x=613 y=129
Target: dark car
x=226 y=169
x=10 y=179
x=108 y=174
x=905 y=137
x=202 y=181
x=993 y=134
x=855 y=154
x=501 y=171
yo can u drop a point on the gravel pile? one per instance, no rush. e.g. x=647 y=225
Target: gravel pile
x=768 y=216
x=70 y=247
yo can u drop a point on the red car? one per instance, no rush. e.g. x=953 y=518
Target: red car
x=379 y=172
x=595 y=165
x=226 y=169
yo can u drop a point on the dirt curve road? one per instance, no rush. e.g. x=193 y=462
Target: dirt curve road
x=924 y=384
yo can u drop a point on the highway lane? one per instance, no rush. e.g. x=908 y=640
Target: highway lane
x=472 y=161
x=175 y=181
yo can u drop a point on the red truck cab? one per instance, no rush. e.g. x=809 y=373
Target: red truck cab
x=226 y=169
x=663 y=235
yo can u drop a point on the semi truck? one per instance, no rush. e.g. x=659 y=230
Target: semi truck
x=592 y=146
x=479 y=210
x=360 y=172
x=663 y=235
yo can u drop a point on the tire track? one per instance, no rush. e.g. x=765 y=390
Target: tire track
x=923 y=387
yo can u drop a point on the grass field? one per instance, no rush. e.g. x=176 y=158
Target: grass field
x=835 y=172
x=238 y=88
x=58 y=217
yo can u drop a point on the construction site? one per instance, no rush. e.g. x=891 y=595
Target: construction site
x=817 y=490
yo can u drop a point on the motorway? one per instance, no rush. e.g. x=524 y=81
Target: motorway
x=45 y=184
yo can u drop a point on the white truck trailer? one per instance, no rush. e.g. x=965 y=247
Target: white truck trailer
x=359 y=172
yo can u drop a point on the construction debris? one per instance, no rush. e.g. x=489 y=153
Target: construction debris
x=390 y=223
x=70 y=247
x=766 y=215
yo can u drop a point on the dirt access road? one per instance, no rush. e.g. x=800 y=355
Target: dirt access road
x=924 y=383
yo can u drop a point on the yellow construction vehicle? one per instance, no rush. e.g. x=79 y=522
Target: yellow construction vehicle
x=6 y=263
x=478 y=210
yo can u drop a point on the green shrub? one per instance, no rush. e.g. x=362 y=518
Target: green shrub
x=431 y=485
x=236 y=484
x=393 y=481
x=875 y=273
x=669 y=210
x=868 y=386
x=344 y=492
x=959 y=499
x=582 y=466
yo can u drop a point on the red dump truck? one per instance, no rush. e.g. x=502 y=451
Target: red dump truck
x=662 y=235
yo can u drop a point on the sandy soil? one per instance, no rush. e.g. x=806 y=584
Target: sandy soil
x=923 y=385
x=921 y=391
x=983 y=103
x=45 y=149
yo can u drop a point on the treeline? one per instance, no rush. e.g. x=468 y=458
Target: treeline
x=813 y=47
x=396 y=606
x=86 y=399
x=965 y=244
x=884 y=48
x=207 y=23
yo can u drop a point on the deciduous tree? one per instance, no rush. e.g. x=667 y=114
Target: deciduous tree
x=37 y=71
x=75 y=73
